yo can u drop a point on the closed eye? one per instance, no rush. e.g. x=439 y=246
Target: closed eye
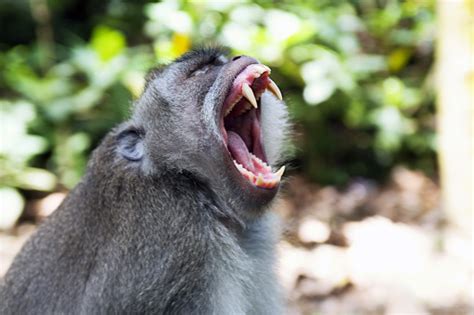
x=201 y=71
x=208 y=64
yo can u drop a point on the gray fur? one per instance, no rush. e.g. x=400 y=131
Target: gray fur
x=171 y=233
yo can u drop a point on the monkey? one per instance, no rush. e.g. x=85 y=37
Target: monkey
x=172 y=215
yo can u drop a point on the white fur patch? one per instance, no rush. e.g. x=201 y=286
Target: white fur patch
x=275 y=126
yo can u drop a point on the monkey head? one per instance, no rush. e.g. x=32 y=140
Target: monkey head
x=219 y=120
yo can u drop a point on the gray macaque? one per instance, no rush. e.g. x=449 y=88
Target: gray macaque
x=171 y=216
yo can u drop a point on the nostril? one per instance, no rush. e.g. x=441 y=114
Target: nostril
x=235 y=58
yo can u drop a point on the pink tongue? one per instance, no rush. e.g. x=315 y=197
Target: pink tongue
x=239 y=150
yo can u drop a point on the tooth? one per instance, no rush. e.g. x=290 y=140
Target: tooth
x=231 y=107
x=251 y=177
x=228 y=111
x=279 y=173
x=248 y=93
x=275 y=90
x=261 y=69
x=260 y=181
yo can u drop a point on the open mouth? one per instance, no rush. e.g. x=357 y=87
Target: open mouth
x=242 y=127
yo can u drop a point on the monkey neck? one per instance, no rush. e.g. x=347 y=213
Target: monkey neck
x=140 y=200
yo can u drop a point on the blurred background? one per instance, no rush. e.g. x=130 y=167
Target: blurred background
x=377 y=208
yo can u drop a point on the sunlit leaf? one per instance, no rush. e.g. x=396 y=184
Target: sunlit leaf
x=281 y=25
x=398 y=59
x=14 y=119
x=11 y=207
x=315 y=93
x=168 y=15
x=107 y=42
x=135 y=82
x=37 y=179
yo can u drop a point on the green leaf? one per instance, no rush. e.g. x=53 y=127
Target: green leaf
x=36 y=179
x=107 y=42
x=11 y=207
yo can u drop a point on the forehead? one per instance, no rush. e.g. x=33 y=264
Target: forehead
x=203 y=55
x=189 y=61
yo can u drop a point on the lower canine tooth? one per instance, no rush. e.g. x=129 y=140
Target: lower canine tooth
x=275 y=90
x=248 y=93
x=260 y=180
x=280 y=172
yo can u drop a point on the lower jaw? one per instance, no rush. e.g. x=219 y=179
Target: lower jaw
x=266 y=179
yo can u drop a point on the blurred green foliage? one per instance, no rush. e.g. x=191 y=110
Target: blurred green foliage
x=355 y=74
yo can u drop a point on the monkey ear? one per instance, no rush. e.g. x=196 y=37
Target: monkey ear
x=130 y=145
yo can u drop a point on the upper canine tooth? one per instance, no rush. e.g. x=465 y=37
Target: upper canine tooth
x=248 y=93
x=275 y=90
x=280 y=172
x=261 y=69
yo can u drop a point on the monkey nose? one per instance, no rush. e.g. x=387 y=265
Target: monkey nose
x=243 y=60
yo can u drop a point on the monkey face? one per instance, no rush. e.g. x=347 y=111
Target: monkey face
x=220 y=119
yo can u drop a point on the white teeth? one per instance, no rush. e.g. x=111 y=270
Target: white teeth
x=262 y=163
x=275 y=90
x=246 y=108
x=259 y=71
x=248 y=94
x=248 y=174
x=228 y=111
x=231 y=107
x=259 y=180
x=259 y=68
x=280 y=172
